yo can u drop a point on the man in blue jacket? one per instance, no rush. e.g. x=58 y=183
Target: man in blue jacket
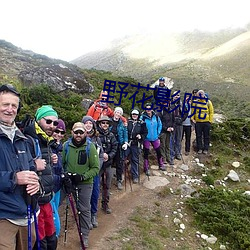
x=17 y=178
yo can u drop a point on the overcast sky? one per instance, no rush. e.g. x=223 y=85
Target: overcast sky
x=66 y=29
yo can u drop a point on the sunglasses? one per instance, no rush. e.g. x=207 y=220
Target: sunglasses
x=78 y=132
x=49 y=121
x=57 y=131
x=134 y=114
x=105 y=123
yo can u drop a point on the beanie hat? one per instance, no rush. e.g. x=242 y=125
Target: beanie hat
x=119 y=109
x=61 y=125
x=88 y=118
x=45 y=110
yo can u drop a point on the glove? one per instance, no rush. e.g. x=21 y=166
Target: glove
x=76 y=178
x=125 y=146
x=67 y=184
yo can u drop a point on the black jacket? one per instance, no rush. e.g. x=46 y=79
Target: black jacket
x=135 y=128
x=46 y=176
x=109 y=145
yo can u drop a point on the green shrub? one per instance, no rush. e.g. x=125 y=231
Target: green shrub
x=224 y=214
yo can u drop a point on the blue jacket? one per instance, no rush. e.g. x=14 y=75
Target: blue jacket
x=57 y=169
x=154 y=126
x=14 y=157
x=122 y=132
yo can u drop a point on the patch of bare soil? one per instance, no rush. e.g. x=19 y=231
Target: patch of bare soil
x=123 y=204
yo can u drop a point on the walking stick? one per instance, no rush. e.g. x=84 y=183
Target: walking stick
x=104 y=187
x=29 y=222
x=127 y=173
x=75 y=217
x=66 y=222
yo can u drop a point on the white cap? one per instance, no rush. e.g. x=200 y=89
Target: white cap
x=135 y=111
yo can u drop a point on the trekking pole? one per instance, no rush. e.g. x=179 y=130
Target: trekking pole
x=37 y=232
x=29 y=222
x=104 y=187
x=128 y=173
x=75 y=217
x=66 y=222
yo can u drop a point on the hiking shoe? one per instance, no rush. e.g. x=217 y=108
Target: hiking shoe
x=94 y=221
x=106 y=208
x=178 y=157
x=119 y=185
x=199 y=151
x=135 y=180
x=86 y=242
x=163 y=168
x=186 y=153
x=147 y=172
x=205 y=152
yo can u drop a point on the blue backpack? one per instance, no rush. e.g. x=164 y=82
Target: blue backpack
x=66 y=147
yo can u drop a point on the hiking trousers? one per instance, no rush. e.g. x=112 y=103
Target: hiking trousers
x=203 y=135
x=15 y=237
x=134 y=152
x=165 y=145
x=82 y=196
x=187 y=133
x=95 y=194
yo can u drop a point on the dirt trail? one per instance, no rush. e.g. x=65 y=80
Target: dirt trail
x=123 y=204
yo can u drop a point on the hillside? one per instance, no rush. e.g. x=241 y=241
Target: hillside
x=141 y=54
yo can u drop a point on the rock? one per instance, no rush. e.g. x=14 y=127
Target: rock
x=182 y=226
x=186 y=189
x=223 y=247
x=212 y=239
x=177 y=221
x=236 y=164
x=155 y=181
x=184 y=167
x=204 y=236
x=247 y=193
x=233 y=176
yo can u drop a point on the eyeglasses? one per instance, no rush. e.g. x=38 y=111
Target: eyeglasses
x=78 y=132
x=105 y=123
x=57 y=131
x=49 y=121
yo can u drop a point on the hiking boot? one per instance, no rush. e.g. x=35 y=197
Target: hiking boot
x=186 y=153
x=205 y=152
x=162 y=166
x=199 y=151
x=178 y=157
x=119 y=185
x=135 y=180
x=94 y=220
x=106 y=208
x=85 y=242
x=147 y=172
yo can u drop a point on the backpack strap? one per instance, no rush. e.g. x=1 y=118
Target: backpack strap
x=36 y=146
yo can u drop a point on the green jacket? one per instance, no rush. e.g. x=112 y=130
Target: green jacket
x=76 y=160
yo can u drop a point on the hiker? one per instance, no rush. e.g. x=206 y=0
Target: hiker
x=109 y=144
x=81 y=162
x=167 y=120
x=179 y=116
x=57 y=169
x=100 y=107
x=203 y=112
x=154 y=127
x=39 y=133
x=137 y=131
x=93 y=135
x=157 y=87
x=121 y=134
x=18 y=179
x=187 y=126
